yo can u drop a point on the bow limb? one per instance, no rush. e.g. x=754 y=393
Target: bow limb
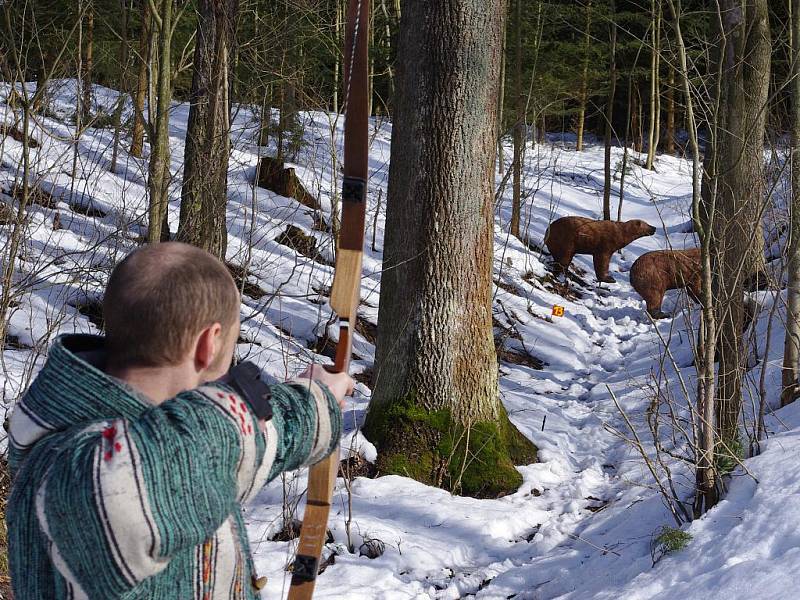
x=345 y=293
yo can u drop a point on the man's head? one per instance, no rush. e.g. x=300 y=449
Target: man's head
x=171 y=305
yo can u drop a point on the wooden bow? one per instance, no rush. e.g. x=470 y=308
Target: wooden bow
x=345 y=294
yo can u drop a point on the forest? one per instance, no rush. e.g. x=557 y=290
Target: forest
x=554 y=242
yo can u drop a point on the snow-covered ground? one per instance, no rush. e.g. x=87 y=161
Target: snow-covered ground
x=583 y=522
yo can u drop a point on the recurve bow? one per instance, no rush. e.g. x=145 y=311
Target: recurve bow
x=345 y=294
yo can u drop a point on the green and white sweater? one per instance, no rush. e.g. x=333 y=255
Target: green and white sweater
x=114 y=497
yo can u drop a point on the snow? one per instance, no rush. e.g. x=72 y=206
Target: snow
x=582 y=524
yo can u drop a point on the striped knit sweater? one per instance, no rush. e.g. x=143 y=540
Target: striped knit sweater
x=114 y=497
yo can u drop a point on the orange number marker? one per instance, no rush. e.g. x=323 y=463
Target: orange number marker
x=558 y=311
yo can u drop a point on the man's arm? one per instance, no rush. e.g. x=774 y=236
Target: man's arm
x=124 y=496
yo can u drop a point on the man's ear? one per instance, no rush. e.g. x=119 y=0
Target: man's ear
x=208 y=345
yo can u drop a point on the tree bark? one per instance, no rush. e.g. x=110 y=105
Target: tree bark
x=205 y=176
x=657 y=130
x=703 y=424
x=501 y=101
x=519 y=123
x=652 y=142
x=88 y=59
x=791 y=351
x=669 y=142
x=435 y=413
x=584 y=96
x=124 y=85
x=137 y=136
x=610 y=117
x=159 y=172
x=739 y=189
x=625 y=144
x=387 y=42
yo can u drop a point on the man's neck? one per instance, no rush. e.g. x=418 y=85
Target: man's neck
x=157 y=383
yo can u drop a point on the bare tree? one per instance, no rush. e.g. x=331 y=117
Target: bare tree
x=704 y=423
x=610 y=117
x=655 y=117
x=88 y=58
x=140 y=92
x=159 y=173
x=519 y=121
x=584 y=95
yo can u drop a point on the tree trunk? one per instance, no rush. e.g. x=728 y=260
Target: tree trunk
x=669 y=143
x=609 y=118
x=387 y=42
x=703 y=426
x=519 y=124
x=652 y=125
x=636 y=121
x=158 y=183
x=88 y=59
x=657 y=130
x=584 y=96
x=205 y=176
x=791 y=352
x=501 y=101
x=124 y=85
x=625 y=153
x=336 y=58
x=435 y=397
x=137 y=136
x=739 y=189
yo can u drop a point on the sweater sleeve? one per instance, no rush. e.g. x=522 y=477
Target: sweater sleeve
x=124 y=496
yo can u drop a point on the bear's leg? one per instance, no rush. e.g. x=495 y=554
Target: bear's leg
x=601 y=268
x=562 y=264
x=653 y=300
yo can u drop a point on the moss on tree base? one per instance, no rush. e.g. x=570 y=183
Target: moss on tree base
x=432 y=448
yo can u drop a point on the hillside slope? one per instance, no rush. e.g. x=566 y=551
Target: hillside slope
x=582 y=523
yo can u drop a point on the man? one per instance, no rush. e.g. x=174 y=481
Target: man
x=130 y=456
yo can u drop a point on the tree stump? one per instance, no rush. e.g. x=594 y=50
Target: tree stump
x=273 y=175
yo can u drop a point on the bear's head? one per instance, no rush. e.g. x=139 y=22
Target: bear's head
x=637 y=228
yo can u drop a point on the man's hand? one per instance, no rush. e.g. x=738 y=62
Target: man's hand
x=340 y=384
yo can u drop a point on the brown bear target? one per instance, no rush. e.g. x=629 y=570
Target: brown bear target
x=656 y=272
x=569 y=236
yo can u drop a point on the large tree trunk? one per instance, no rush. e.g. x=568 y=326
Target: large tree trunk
x=739 y=192
x=791 y=352
x=159 y=172
x=584 y=96
x=609 y=118
x=435 y=413
x=137 y=136
x=205 y=176
x=519 y=123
